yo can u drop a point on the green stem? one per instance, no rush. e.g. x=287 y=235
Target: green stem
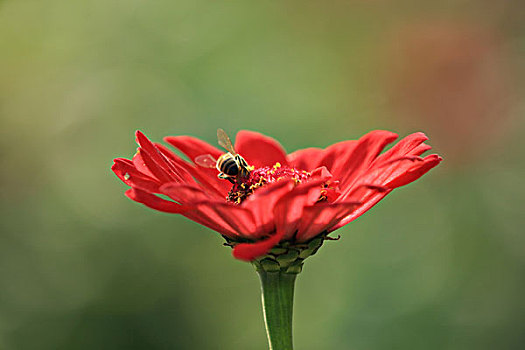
x=277 y=299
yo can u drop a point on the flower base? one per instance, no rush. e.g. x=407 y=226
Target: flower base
x=288 y=257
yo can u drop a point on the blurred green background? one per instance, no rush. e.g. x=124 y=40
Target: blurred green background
x=437 y=265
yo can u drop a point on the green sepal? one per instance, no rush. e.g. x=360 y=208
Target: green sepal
x=315 y=243
x=296 y=267
x=278 y=251
x=306 y=253
x=270 y=265
x=286 y=259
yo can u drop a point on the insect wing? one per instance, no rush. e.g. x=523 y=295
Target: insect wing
x=224 y=141
x=205 y=161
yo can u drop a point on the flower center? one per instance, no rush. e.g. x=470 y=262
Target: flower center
x=262 y=176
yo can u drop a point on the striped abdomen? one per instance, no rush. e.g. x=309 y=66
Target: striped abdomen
x=228 y=165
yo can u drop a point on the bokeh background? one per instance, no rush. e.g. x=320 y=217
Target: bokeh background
x=439 y=264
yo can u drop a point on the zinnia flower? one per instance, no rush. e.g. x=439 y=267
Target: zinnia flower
x=288 y=200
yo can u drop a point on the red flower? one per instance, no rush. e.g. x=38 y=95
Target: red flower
x=287 y=198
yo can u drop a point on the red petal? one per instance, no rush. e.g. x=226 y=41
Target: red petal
x=399 y=172
x=403 y=147
x=321 y=217
x=222 y=217
x=361 y=192
x=379 y=176
x=155 y=161
x=259 y=150
x=138 y=162
x=261 y=203
x=373 y=200
x=158 y=171
x=231 y=217
x=184 y=193
x=416 y=171
x=334 y=155
x=364 y=153
x=289 y=208
x=396 y=177
x=183 y=168
x=251 y=251
x=208 y=178
x=204 y=220
x=155 y=202
x=209 y=185
x=321 y=173
x=126 y=172
x=193 y=147
x=305 y=159
x=419 y=150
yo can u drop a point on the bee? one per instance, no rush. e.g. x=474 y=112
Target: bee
x=231 y=165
